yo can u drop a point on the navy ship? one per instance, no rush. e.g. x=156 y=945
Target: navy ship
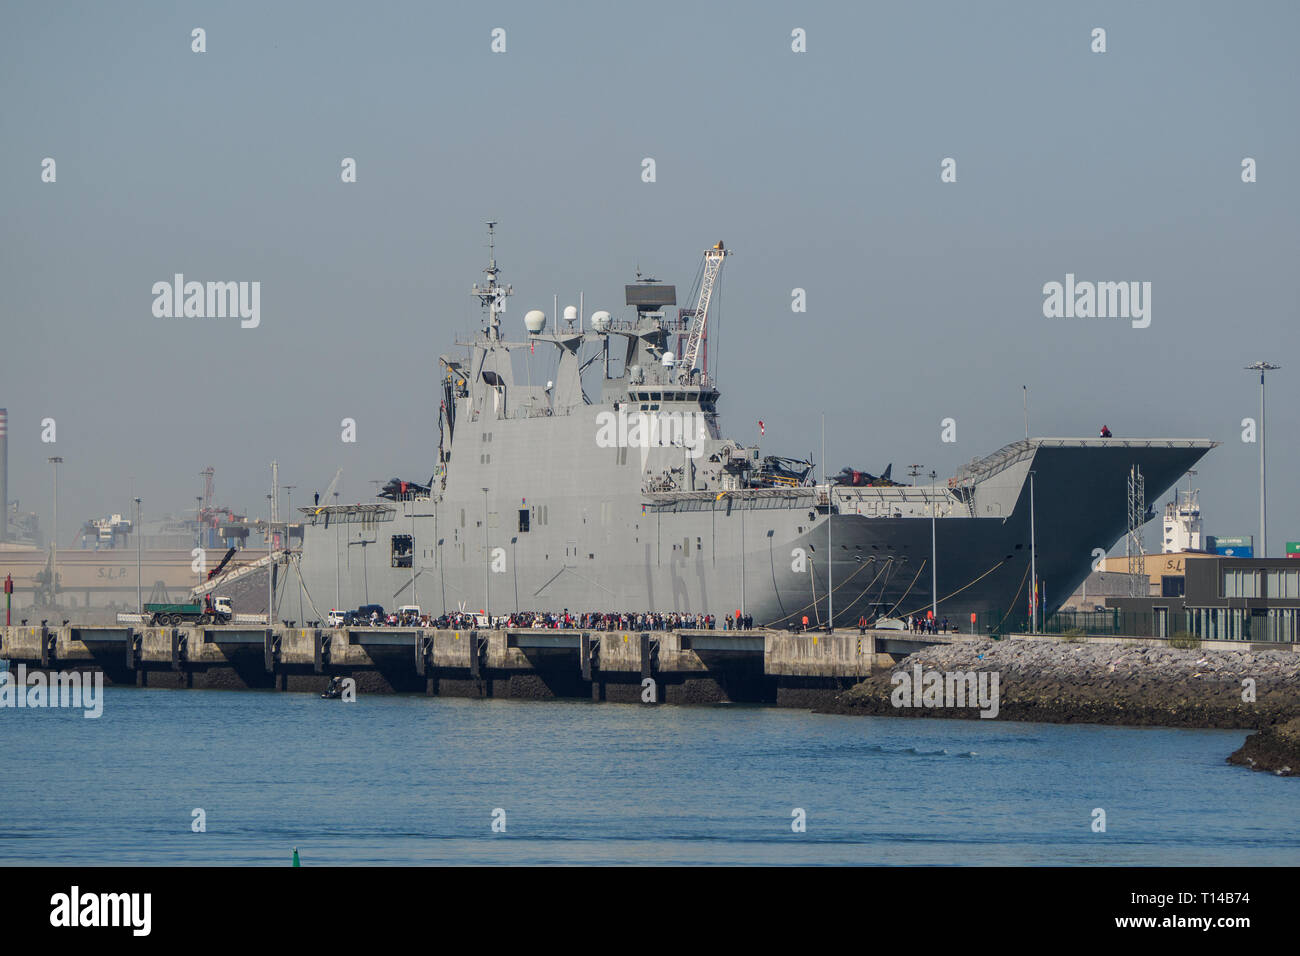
x=612 y=487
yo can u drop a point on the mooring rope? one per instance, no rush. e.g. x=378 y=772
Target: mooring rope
x=812 y=570
x=963 y=588
x=1014 y=599
x=303 y=584
x=890 y=612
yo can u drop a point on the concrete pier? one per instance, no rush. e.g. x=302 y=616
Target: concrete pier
x=688 y=666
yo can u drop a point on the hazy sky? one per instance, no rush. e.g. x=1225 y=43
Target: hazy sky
x=821 y=170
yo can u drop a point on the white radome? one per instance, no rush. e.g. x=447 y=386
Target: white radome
x=570 y=313
x=669 y=360
x=535 y=321
x=600 y=320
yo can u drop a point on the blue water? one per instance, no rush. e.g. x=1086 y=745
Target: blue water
x=415 y=780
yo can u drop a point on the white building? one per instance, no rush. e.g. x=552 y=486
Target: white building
x=1182 y=524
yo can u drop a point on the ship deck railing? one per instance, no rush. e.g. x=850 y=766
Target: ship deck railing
x=350 y=514
x=867 y=501
x=979 y=469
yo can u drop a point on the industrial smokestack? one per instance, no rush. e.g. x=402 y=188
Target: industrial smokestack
x=4 y=474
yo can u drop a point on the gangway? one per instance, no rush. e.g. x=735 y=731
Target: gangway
x=236 y=573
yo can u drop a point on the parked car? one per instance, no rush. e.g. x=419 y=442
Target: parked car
x=362 y=615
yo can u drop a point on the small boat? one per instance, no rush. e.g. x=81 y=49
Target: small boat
x=334 y=690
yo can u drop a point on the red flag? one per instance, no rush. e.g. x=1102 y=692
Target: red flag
x=760 y=426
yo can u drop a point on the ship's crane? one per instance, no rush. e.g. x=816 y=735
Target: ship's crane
x=713 y=259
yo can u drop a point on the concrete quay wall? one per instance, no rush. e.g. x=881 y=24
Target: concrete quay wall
x=680 y=666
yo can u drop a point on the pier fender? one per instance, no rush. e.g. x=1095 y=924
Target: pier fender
x=180 y=649
x=589 y=655
x=320 y=650
x=649 y=655
x=134 y=641
x=423 y=653
x=48 y=646
x=271 y=649
x=475 y=655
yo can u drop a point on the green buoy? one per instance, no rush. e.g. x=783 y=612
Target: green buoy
x=295 y=857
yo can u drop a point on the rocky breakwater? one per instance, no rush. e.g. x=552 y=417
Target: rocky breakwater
x=1275 y=749
x=1060 y=681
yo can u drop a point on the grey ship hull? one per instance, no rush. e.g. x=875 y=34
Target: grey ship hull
x=538 y=505
x=596 y=542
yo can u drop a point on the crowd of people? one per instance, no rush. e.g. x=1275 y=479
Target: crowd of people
x=926 y=625
x=605 y=621
x=620 y=621
x=565 y=620
x=609 y=621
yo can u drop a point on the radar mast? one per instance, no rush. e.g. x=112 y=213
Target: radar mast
x=491 y=296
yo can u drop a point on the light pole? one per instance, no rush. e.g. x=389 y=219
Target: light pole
x=514 y=564
x=139 y=591
x=54 y=539
x=830 y=557
x=198 y=523
x=365 y=568
x=934 y=553
x=288 y=542
x=914 y=470
x=487 y=564
x=336 y=554
x=270 y=566
x=288 y=515
x=1033 y=562
x=414 y=597
x=437 y=556
x=741 y=503
x=1262 y=367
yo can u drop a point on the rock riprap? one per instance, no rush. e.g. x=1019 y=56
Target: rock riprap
x=1274 y=749
x=1058 y=681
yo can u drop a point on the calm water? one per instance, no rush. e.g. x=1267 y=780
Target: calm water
x=414 y=780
